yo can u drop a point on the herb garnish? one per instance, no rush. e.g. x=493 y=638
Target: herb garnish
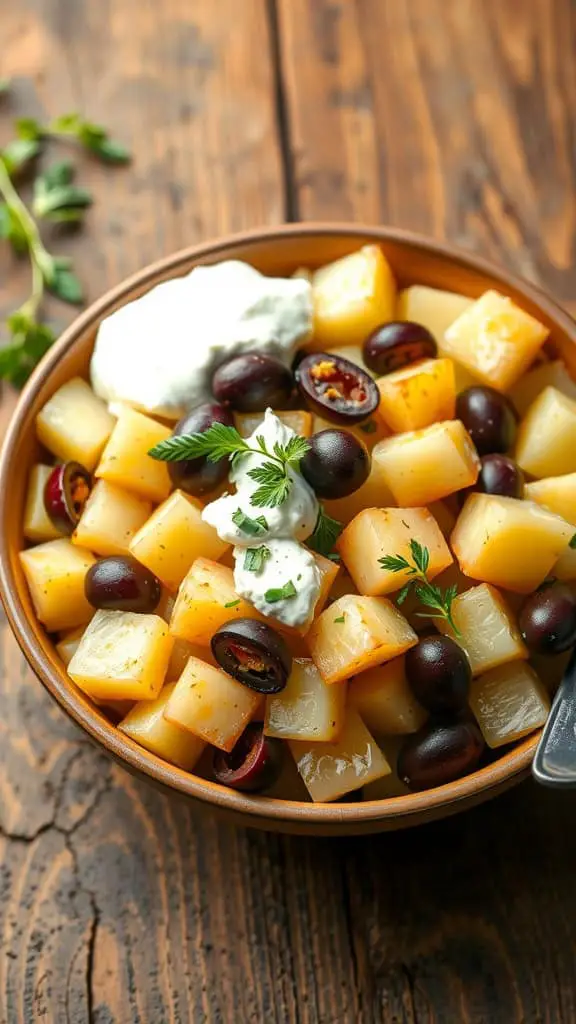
x=232 y=604
x=221 y=442
x=280 y=593
x=254 y=558
x=572 y=543
x=252 y=527
x=340 y=618
x=326 y=533
x=426 y=592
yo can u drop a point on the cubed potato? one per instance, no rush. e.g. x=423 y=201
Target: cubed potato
x=298 y=420
x=146 y=724
x=211 y=704
x=331 y=770
x=37 y=526
x=384 y=700
x=354 y=354
x=343 y=584
x=69 y=643
x=508 y=542
x=122 y=656
x=421 y=616
x=557 y=493
x=173 y=537
x=488 y=631
x=378 y=532
x=495 y=340
x=509 y=702
x=369 y=432
x=355 y=633
x=424 y=465
x=75 y=424
x=55 y=574
x=527 y=389
x=351 y=297
x=565 y=567
x=306 y=709
x=181 y=652
x=125 y=460
x=418 y=395
x=433 y=308
x=444 y=516
x=206 y=600
x=546 y=442
x=110 y=519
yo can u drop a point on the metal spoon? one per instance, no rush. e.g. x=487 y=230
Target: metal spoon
x=555 y=759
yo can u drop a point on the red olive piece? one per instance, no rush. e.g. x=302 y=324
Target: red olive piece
x=254 y=763
x=440 y=752
x=120 y=583
x=253 y=653
x=65 y=495
x=199 y=476
x=336 y=464
x=397 y=344
x=336 y=388
x=489 y=417
x=547 y=620
x=252 y=383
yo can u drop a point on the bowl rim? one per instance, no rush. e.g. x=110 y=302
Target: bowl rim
x=479 y=785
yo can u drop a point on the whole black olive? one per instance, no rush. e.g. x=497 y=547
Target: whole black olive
x=252 y=383
x=547 y=620
x=120 y=583
x=489 y=418
x=336 y=464
x=199 y=476
x=439 y=674
x=440 y=752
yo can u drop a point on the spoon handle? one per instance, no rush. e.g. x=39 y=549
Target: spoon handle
x=555 y=759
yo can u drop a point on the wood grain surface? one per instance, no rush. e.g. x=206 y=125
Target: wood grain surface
x=454 y=117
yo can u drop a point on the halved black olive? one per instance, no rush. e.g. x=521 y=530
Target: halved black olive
x=336 y=388
x=253 y=653
x=65 y=495
x=254 y=763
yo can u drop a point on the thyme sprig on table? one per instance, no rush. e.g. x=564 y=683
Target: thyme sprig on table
x=427 y=593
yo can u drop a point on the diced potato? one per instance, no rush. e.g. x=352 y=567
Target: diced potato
x=331 y=770
x=298 y=420
x=211 y=704
x=369 y=432
x=355 y=633
x=488 y=633
x=378 y=532
x=75 y=424
x=444 y=516
x=509 y=702
x=418 y=395
x=495 y=340
x=508 y=542
x=146 y=724
x=69 y=644
x=424 y=465
x=343 y=584
x=431 y=307
x=388 y=786
x=384 y=700
x=527 y=389
x=181 y=652
x=122 y=656
x=557 y=493
x=173 y=537
x=546 y=442
x=354 y=354
x=125 y=460
x=110 y=519
x=565 y=567
x=37 y=526
x=306 y=709
x=206 y=600
x=55 y=574
x=351 y=297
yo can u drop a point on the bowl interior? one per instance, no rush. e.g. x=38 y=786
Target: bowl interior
x=280 y=252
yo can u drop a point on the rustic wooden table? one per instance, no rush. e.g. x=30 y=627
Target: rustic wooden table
x=452 y=117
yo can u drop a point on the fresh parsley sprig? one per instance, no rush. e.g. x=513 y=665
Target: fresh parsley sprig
x=326 y=533
x=431 y=596
x=220 y=442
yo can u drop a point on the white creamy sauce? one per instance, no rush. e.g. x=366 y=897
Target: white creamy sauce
x=286 y=526
x=158 y=353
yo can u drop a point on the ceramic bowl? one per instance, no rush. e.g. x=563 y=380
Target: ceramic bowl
x=274 y=251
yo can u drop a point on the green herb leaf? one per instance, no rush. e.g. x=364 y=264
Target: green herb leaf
x=255 y=558
x=50 y=200
x=394 y=563
x=421 y=556
x=251 y=527
x=275 y=485
x=29 y=341
x=429 y=594
x=12 y=229
x=18 y=154
x=403 y=593
x=60 y=173
x=66 y=286
x=111 y=151
x=232 y=604
x=216 y=443
x=572 y=543
x=29 y=128
x=326 y=533
x=341 y=618
x=276 y=594
x=93 y=137
x=295 y=450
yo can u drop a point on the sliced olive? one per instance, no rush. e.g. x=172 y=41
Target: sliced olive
x=65 y=495
x=336 y=388
x=253 y=653
x=120 y=583
x=254 y=763
x=252 y=383
x=397 y=344
x=336 y=464
x=440 y=752
x=199 y=476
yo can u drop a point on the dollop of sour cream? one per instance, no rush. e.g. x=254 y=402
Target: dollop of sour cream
x=159 y=352
x=287 y=561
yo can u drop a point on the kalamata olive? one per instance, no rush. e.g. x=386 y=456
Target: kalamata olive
x=489 y=418
x=253 y=653
x=253 y=764
x=336 y=464
x=199 y=476
x=439 y=674
x=547 y=619
x=120 y=583
x=65 y=495
x=397 y=344
x=499 y=474
x=439 y=753
x=336 y=388
x=252 y=383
